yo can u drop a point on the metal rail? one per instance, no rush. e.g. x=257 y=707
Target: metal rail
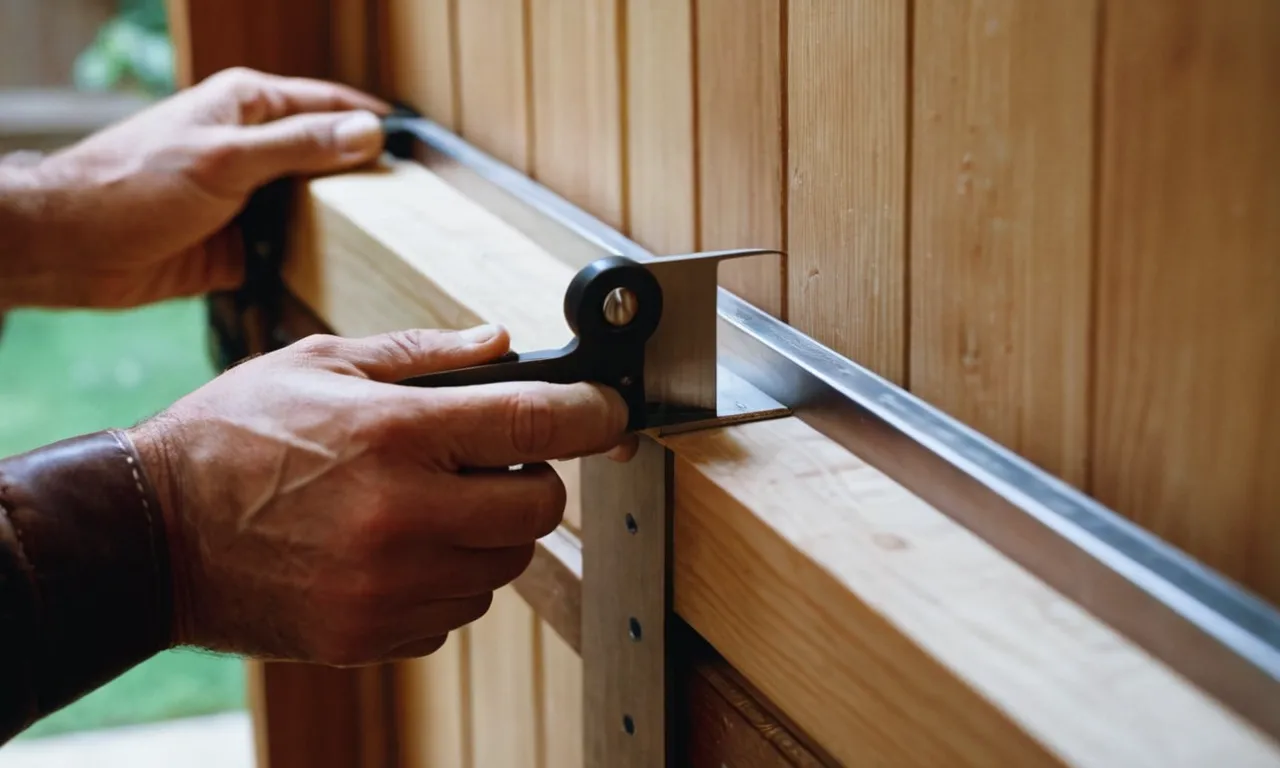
x=1207 y=628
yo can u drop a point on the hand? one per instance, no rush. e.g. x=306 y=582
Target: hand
x=139 y=211
x=316 y=512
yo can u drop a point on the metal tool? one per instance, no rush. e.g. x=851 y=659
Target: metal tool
x=646 y=329
x=659 y=354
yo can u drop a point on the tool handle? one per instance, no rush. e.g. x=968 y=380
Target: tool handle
x=555 y=366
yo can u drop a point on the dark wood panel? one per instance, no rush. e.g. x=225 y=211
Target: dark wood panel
x=287 y=37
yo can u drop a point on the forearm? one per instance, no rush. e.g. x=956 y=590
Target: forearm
x=84 y=574
x=21 y=201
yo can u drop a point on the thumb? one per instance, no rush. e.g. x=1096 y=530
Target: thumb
x=310 y=143
x=399 y=355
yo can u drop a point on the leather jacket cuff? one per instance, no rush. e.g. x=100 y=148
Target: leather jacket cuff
x=85 y=586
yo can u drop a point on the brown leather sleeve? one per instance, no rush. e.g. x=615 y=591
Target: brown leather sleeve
x=84 y=573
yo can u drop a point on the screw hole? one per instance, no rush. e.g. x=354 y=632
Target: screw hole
x=628 y=724
x=635 y=628
x=631 y=524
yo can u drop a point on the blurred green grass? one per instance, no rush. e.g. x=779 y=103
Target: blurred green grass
x=67 y=373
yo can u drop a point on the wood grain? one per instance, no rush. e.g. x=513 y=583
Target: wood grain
x=562 y=713
x=491 y=72
x=722 y=720
x=894 y=636
x=212 y=36
x=433 y=718
x=418 y=57
x=1001 y=221
x=847 y=139
x=551 y=585
x=352 y=27
x=1187 y=427
x=741 y=135
x=576 y=91
x=884 y=629
x=505 y=700
x=661 y=165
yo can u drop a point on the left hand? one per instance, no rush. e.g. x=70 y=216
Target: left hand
x=140 y=211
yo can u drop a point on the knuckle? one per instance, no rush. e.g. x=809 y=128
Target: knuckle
x=369 y=532
x=340 y=649
x=548 y=504
x=479 y=606
x=210 y=160
x=514 y=563
x=532 y=423
x=318 y=345
x=322 y=136
x=405 y=346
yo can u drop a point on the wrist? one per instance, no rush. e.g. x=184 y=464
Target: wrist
x=152 y=439
x=84 y=572
x=28 y=195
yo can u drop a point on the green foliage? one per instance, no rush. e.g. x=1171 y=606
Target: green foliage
x=70 y=372
x=132 y=50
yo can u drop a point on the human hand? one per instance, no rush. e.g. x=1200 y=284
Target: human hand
x=317 y=512
x=140 y=211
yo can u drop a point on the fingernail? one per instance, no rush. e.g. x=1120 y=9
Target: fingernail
x=359 y=134
x=480 y=334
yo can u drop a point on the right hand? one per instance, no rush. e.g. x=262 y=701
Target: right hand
x=318 y=512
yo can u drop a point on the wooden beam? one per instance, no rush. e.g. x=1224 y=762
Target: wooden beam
x=882 y=627
x=304 y=715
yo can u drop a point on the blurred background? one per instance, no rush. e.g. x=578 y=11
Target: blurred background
x=68 y=68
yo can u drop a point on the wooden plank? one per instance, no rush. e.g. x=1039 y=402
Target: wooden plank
x=722 y=720
x=418 y=57
x=1186 y=426
x=433 y=713
x=1001 y=221
x=303 y=714
x=505 y=701
x=490 y=72
x=576 y=86
x=551 y=584
x=212 y=36
x=661 y=164
x=340 y=732
x=352 y=42
x=625 y=605
x=741 y=143
x=884 y=629
x=847 y=139
x=562 y=712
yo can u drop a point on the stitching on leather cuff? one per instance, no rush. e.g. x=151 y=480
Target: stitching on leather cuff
x=159 y=571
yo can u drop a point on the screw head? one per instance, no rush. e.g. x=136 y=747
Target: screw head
x=620 y=306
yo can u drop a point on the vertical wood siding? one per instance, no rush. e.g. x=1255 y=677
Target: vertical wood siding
x=1059 y=222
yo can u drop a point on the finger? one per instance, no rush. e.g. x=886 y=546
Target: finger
x=313 y=143
x=500 y=508
x=264 y=97
x=416 y=649
x=624 y=451
x=399 y=355
x=433 y=618
x=474 y=572
x=497 y=425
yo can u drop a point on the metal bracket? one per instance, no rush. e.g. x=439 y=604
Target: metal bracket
x=247 y=320
x=627 y=588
